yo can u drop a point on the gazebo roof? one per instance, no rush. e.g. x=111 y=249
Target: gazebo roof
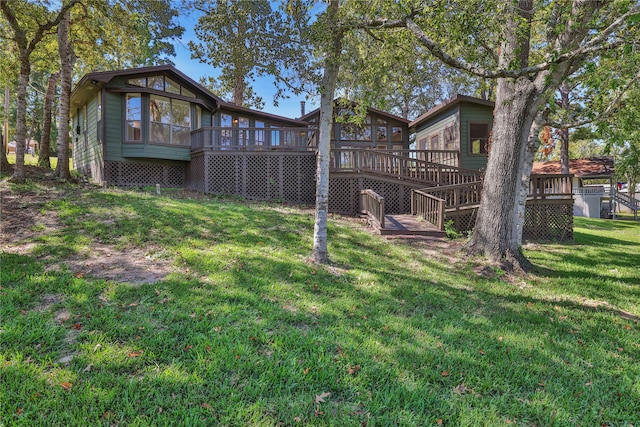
x=595 y=167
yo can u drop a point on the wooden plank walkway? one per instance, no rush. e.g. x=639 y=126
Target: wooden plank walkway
x=408 y=225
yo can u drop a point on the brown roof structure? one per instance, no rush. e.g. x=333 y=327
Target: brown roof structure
x=451 y=102
x=595 y=167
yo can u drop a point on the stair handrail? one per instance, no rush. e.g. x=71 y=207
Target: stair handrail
x=372 y=206
x=428 y=207
x=403 y=167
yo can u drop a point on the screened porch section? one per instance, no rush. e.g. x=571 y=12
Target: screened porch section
x=253 y=138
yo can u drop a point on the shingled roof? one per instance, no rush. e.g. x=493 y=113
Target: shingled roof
x=595 y=167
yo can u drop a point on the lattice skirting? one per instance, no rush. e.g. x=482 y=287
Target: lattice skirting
x=548 y=220
x=284 y=176
x=344 y=194
x=141 y=174
x=543 y=220
x=464 y=220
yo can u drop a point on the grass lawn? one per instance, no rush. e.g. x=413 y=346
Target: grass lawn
x=32 y=160
x=236 y=327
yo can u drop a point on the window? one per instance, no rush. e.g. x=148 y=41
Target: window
x=243 y=133
x=434 y=142
x=449 y=137
x=140 y=81
x=396 y=133
x=259 y=137
x=169 y=120
x=479 y=138
x=160 y=119
x=181 y=122
x=188 y=93
x=422 y=144
x=156 y=82
x=226 y=137
x=133 y=117
x=171 y=86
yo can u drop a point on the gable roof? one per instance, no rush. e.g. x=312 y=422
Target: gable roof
x=451 y=102
x=91 y=82
x=353 y=104
x=595 y=167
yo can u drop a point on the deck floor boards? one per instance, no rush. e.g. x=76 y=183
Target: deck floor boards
x=409 y=225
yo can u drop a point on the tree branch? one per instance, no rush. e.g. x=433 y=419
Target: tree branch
x=608 y=112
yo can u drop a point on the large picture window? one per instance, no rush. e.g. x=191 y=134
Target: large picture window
x=133 y=117
x=449 y=137
x=169 y=120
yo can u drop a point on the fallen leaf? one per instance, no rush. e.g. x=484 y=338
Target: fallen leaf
x=19 y=411
x=66 y=385
x=97 y=347
x=135 y=353
x=627 y=327
x=188 y=347
x=320 y=397
x=297 y=419
x=588 y=383
x=77 y=326
x=500 y=338
x=208 y=348
x=88 y=368
x=445 y=373
x=481 y=352
x=439 y=421
x=205 y=405
x=79 y=275
x=134 y=304
x=306 y=371
x=354 y=370
x=107 y=414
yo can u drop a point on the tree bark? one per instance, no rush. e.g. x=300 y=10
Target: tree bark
x=21 y=112
x=5 y=167
x=564 y=133
x=330 y=76
x=529 y=154
x=45 y=146
x=517 y=102
x=66 y=65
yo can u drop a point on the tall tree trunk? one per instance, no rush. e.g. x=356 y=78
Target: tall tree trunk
x=45 y=146
x=5 y=167
x=66 y=65
x=564 y=133
x=238 y=89
x=525 y=175
x=21 y=115
x=495 y=233
x=329 y=78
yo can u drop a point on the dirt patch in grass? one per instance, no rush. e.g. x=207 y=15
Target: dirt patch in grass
x=23 y=221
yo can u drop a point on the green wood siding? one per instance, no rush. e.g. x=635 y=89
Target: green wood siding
x=153 y=151
x=436 y=125
x=87 y=149
x=472 y=113
x=113 y=134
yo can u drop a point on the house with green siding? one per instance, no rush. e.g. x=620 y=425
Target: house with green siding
x=460 y=126
x=139 y=126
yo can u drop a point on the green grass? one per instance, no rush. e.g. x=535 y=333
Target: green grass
x=247 y=331
x=32 y=160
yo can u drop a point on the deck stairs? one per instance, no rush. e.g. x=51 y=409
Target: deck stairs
x=625 y=199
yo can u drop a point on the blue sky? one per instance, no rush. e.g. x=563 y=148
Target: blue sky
x=263 y=86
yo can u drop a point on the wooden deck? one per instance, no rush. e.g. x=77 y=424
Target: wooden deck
x=407 y=225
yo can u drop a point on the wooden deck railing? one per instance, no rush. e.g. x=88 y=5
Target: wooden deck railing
x=443 y=157
x=235 y=138
x=556 y=186
x=372 y=206
x=428 y=207
x=401 y=167
x=467 y=196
